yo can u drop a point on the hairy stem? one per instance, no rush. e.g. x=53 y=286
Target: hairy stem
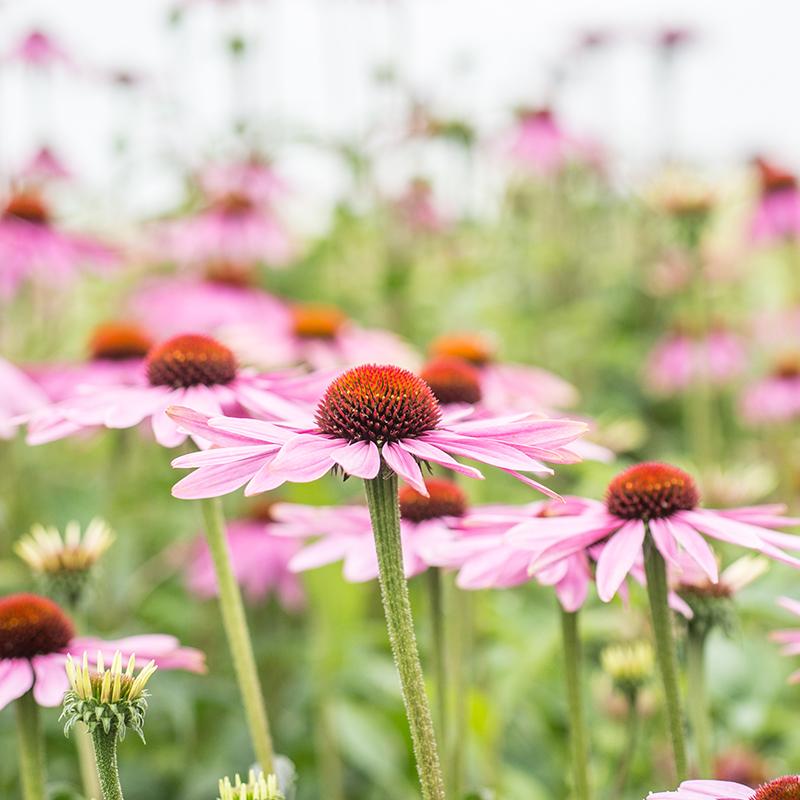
x=698 y=698
x=577 y=723
x=105 y=754
x=31 y=749
x=657 y=592
x=238 y=634
x=385 y=516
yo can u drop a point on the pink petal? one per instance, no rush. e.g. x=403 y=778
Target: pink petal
x=662 y=536
x=216 y=480
x=405 y=465
x=696 y=546
x=618 y=557
x=425 y=451
x=361 y=459
x=16 y=678
x=51 y=681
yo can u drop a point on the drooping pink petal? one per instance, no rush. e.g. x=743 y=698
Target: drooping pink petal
x=425 y=451
x=216 y=480
x=696 y=547
x=51 y=682
x=360 y=459
x=617 y=558
x=405 y=465
x=16 y=678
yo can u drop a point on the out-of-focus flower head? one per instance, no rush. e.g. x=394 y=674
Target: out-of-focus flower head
x=741 y=765
x=687 y=198
x=44 y=167
x=774 y=399
x=256 y=788
x=776 y=217
x=417 y=209
x=629 y=665
x=672 y=39
x=40 y=50
x=785 y=788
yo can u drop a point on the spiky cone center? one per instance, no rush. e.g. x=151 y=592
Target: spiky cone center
x=229 y=273
x=110 y=699
x=190 y=360
x=119 y=341
x=774 y=180
x=651 y=490
x=256 y=788
x=28 y=206
x=453 y=380
x=378 y=404
x=469 y=347
x=317 y=321
x=785 y=788
x=787 y=368
x=31 y=626
x=446 y=499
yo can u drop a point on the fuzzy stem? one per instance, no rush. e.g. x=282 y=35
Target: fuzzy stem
x=31 y=749
x=105 y=754
x=657 y=592
x=436 y=597
x=698 y=698
x=385 y=515
x=631 y=740
x=236 y=630
x=577 y=724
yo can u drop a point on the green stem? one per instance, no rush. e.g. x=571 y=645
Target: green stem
x=631 y=741
x=105 y=754
x=31 y=749
x=86 y=762
x=436 y=597
x=459 y=668
x=577 y=723
x=657 y=592
x=236 y=630
x=697 y=696
x=385 y=516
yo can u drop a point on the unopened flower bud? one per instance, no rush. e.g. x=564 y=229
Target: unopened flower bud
x=256 y=788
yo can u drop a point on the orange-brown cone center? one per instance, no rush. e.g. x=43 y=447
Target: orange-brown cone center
x=190 y=360
x=32 y=626
x=651 y=490
x=317 y=321
x=117 y=341
x=453 y=380
x=445 y=499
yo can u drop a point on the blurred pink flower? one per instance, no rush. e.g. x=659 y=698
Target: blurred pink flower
x=665 y=500
x=36 y=636
x=369 y=416
x=417 y=209
x=789 y=638
x=777 y=215
x=174 y=305
x=260 y=559
x=44 y=167
x=33 y=249
x=344 y=533
x=781 y=788
x=38 y=49
x=19 y=395
x=254 y=178
x=317 y=336
x=191 y=368
x=775 y=398
x=680 y=361
x=540 y=144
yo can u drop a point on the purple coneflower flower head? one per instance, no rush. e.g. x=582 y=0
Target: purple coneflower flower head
x=785 y=788
x=20 y=395
x=663 y=500
x=369 y=416
x=36 y=636
x=38 y=49
x=774 y=399
x=776 y=217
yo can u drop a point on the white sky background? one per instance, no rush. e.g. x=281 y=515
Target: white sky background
x=735 y=93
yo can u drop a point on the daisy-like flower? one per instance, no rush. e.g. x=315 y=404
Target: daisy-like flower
x=369 y=416
x=232 y=227
x=260 y=558
x=776 y=397
x=174 y=305
x=256 y=788
x=345 y=532
x=540 y=144
x=506 y=387
x=785 y=788
x=318 y=336
x=36 y=637
x=679 y=361
x=777 y=214
x=19 y=396
x=664 y=500
x=38 y=49
x=190 y=369
x=789 y=638
x=33 y=248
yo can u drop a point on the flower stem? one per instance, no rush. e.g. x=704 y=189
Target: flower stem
x=86 y=761
x=631 y=741
x=31 y=750
x=577 y=724
x=236 y=630
x=385 y=515
x=657 y=592
x=698 y=697
x=436 y=601
x=105 y=754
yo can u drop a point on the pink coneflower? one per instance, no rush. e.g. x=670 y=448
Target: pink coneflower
x=777 y=215
x=231 y=228
x=785 y=788
x=790 y=639
x=775 y=398
x=369 y=416
x=32 y=248
x=693 y=583
x=44 y=167
x=38 y=49
x=260 y=559
x=680 y=361
x=506 y=387
x=665 y=500
x=19 y=395
x=416 y=208
x=540 y=144
x=36 y=636
x=189 y=368
x=317 y=336
x=173 y=305
x=254 y=178
x=345 y=532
